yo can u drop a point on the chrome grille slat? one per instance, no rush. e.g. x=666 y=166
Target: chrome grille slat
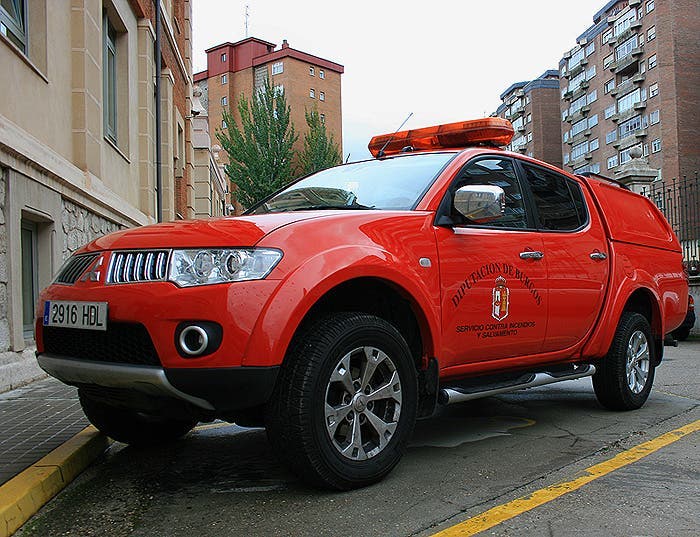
x=75 y=267
x=138 y=266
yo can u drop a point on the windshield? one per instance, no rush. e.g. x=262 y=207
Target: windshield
x=395 y=183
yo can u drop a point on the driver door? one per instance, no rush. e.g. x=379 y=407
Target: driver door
x=492 y=274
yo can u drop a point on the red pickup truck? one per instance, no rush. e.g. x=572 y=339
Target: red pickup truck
x=344 y=307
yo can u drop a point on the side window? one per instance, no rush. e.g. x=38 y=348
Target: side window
x=558 y=200
x=495 y=172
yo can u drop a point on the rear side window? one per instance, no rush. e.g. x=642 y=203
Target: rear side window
x=558 y=200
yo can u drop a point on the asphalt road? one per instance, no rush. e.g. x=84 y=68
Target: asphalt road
x=222 y=480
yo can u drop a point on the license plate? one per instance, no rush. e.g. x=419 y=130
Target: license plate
x=86 y=315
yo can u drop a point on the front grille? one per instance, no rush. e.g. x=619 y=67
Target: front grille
x=121 y=343
x=138 y=266
x=74 y=267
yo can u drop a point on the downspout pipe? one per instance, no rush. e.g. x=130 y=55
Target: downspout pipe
x=159 y=151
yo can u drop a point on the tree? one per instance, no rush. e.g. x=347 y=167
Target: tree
x=260 y=149
x=320 y=150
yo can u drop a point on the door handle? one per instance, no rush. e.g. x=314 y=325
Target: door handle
x=598 y=256
x=529 y=254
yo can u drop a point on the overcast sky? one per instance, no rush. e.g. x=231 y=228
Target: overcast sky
x=442 y=60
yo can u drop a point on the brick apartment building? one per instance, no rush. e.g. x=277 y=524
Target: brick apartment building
x=78 y=142
x=239 y=68
x=533 y=108
x=633 y=80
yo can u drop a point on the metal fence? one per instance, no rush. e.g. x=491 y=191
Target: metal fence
x=679 y=200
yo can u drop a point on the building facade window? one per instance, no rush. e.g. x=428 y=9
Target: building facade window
x=109 y=82
x=594 y=144
x=651 y=33
x=321 y=74
x=612 y=162
x=607 y=35
x=652 y=61
x=656 y=145
x=579 y=150
x=223 y=57
x=576 y=58
x=590 y=72
x=224 y=125
x=609 y=111
x=654 y=117
x=577 y=105
x=627 y=101
x=625 y=21
x=579 y=127
x=29 y=276
x=312 y=93
x=566 y=158
x=590 y=48
x=593 y=121
x=631 y=126
x=529 y=137
x=608 y=60
x=312 y=71
x=277 y=68
x=609 y=85
x=323 y=118
x=224 y=79
x=611 y=136
x=279 y=90
x=13 y=22
x=322 y=96
x=626 y=48
x=224 y=101
x=592 y=96
x=650 y=6
x=653 y=90
x=529 y=118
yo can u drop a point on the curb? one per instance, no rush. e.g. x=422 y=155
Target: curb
x=23 y=495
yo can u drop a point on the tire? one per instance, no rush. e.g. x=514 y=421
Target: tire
x=131 y=427
x=345 y=403
x=624 y=377
x=681 y=334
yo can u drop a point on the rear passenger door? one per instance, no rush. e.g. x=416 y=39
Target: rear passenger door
x=575 y=252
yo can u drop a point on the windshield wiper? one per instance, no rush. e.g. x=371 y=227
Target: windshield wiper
x=332 y=207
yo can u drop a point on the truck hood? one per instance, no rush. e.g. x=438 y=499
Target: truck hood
x=212 y=232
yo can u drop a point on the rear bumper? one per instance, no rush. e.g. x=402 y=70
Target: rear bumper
x=213 y=390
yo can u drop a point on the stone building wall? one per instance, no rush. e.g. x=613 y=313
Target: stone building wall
x=81 y=226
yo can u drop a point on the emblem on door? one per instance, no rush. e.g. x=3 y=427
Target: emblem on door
x=501 y=296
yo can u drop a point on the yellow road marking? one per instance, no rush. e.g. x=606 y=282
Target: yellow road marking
x=506 y=511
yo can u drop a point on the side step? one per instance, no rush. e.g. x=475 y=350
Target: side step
x=457 y=394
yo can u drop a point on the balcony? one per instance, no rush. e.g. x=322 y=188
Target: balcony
x=625 y=66
x=641 y=133
x=626 y=142
x=633 y=3
x=639 y=78
x=521 y=128
x=641 y=105
x=576 y=69
x=580 y=137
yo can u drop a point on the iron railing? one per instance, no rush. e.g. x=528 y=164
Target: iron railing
x=679 y=200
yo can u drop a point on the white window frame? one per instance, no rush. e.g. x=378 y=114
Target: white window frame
x=278 y=68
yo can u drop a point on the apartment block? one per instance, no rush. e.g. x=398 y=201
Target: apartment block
x=533 y=108
x=78 y=139
x=632 y=81
x=308 y=81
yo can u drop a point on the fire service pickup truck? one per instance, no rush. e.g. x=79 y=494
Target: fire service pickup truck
x=342 y=308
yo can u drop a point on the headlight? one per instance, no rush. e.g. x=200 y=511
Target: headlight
x=204 y=267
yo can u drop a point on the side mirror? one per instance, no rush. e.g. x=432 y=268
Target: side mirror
x=480 y=204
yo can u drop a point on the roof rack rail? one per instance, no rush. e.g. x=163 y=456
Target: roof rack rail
x=604 y=178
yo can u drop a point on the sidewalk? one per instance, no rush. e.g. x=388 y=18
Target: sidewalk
x=44 y=445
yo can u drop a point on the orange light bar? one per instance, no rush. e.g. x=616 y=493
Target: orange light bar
x=494 y=131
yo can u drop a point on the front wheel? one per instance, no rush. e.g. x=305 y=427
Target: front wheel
x=624 y=377
x=131 y=427
x=345 y=403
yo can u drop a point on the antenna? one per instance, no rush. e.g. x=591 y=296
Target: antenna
x=247 y=15
x=381 y=151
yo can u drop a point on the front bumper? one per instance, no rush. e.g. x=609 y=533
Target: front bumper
x=216 y=391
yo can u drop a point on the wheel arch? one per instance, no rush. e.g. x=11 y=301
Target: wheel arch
x=646 y=303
